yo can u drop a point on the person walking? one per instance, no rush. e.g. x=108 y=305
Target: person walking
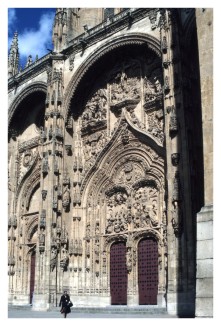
x=65 y=304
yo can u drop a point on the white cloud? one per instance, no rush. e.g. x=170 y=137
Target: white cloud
x=11 y=19
x=36 y=41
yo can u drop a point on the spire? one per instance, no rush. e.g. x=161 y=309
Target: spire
x=60 y=29
x=13 y=58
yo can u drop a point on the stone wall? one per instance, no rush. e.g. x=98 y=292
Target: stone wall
x=204 y=283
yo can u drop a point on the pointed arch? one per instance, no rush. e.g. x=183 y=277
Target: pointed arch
x=123 y=40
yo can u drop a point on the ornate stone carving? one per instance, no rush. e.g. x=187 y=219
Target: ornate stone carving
x=164 y=45
x=155 y=125
x=71 y=61
x=125 y=135
x=55 y=203
x=26 y=145
x=129 y=261
x=64 y=235
x=43 y=134
x=64 y=258
x=92 y=146
x=12 y=221
x=45 y=166
x=68 y=149
x=166 y=85
x=94 y=116
x=177 y=220
x=134 y=119
x=66 y=198
x=66 y=178
x=175 y=158
x=116 y=213
x=125 y=92
x=176 y=188
x=43 y=219
x=153 y=101
x=27 y=158
x=44 y=194
x=11 y=261
x=41 y=241
x=145 y=211
x=153 y=18
x=56 y=166
x=173 y=125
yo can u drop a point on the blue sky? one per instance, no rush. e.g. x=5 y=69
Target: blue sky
x=34 y=27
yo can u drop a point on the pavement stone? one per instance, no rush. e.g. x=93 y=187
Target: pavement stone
x=29 y=313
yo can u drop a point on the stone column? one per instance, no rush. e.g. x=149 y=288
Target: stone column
x=204 y=277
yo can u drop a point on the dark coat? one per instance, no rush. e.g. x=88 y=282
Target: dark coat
x=65 y=299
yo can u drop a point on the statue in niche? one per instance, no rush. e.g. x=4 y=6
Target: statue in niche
x=129 y=260
x=41 y=238
x=66 y=197
x=153 y=214
x=64 y=257
x=53 y=258
x=177 y=219
x=97 y=228
x=88 y=230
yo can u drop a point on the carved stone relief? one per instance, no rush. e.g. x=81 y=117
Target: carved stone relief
x=125 y=88
x=155 y=125
x=94 y=115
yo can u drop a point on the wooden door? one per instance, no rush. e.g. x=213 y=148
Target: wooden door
x=32 y=276
x=148 y=271
x=118 y=274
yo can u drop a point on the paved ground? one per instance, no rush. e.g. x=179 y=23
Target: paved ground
x=16 y=313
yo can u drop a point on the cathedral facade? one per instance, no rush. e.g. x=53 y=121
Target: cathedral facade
x=110 y=162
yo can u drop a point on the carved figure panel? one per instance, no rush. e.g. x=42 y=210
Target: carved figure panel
x=155 y=125
x=125 y=88
x=94 y=115
x=129 y=173
x=145 y=207
x=141 y=208
x=26 y=161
